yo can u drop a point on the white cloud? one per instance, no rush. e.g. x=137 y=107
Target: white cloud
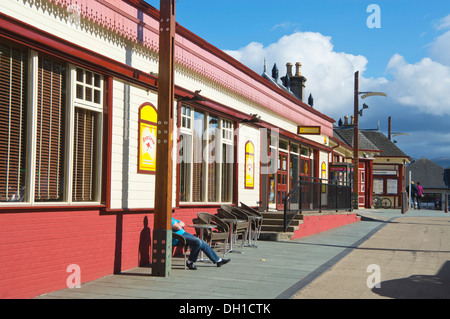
x=423 y=85
x=286 y=26
x=443 y=23
x=417 y=92
x=329 y=73
x=440 y=48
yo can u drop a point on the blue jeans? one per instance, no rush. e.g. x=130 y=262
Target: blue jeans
x=198 y=245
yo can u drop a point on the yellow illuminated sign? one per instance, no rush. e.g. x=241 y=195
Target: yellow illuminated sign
x=249 y=165
x=308 y=130
x=147 y=139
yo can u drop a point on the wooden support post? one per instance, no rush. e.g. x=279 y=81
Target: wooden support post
x=162 y=233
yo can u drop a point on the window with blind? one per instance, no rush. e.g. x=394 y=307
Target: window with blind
x=88 y=107
x=227 y=161
x=50 y=131
x=205 y=157
x=213 y=165
x=13 y=119
x=198 y=163
x=84 y=187
x=185 y=154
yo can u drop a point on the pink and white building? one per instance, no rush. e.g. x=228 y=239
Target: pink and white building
x=78 y=104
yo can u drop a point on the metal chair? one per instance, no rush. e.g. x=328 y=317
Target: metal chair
x=257 y=223
x=237 y=229
x=220 y=234
x=181 y=242
x=242 y=227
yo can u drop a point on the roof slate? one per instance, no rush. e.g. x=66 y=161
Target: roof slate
x=346 y=134
x=429 y=174
x=383 y=143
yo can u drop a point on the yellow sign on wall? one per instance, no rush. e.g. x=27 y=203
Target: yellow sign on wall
x=324 y=176
x=147 y=139
x=249 y=165
x=314 y=130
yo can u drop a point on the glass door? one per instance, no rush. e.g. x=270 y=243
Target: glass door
x=282 y=179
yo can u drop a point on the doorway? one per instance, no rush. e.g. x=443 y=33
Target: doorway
x=362 y=185
x=282 y=179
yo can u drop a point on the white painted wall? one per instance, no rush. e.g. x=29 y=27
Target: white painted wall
x=130 y=189
x=248 y=133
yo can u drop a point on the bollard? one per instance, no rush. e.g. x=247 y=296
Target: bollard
x=404 y=202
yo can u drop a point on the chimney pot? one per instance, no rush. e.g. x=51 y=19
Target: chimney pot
x=289 y=68
x=346 y=120
x=298 y=66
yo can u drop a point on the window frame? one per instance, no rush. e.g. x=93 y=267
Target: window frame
x=39 y=104
x=12 y=95
x=68 y=124
x=223 y=135
x=98 y=109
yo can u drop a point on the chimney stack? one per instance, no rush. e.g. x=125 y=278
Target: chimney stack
x=286 y=80
x=298 y=82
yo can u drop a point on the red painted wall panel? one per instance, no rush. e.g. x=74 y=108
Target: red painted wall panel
x=37 y=248
x=318 y=223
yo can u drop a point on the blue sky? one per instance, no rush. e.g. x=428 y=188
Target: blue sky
x=408 y=57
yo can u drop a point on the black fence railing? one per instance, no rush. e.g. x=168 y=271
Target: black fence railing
x=316 y=194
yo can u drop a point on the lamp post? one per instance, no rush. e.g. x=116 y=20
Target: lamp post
x=356 y=113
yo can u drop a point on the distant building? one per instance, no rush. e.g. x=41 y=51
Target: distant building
x=431 y=178
x=388 y=167
x=381 y=164
x=367 y=152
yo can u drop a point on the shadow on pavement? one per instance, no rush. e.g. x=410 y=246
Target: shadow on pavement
x=418 y=286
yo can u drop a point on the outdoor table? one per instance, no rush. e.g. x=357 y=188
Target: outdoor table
x=202 y=228
x=232 y=222
x=253 y=219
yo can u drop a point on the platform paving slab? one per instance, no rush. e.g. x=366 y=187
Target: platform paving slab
x=274 y=270
x=412 y=253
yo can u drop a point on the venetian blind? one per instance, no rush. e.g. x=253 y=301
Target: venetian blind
x=197 y=166
x=13 y=97
x=50 y=130
x=212 y=165
x=227 y=161
x=84 y=156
